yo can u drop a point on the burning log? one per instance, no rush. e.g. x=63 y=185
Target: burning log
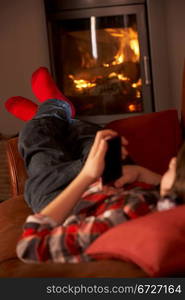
x=127 y=69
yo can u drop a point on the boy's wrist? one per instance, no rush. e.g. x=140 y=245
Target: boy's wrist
x=148 y=176
x=86 y=178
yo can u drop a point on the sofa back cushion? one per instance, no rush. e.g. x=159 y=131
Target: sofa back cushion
x=153 y=138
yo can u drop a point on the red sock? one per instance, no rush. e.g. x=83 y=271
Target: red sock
x=21 y=108
x=44 y=88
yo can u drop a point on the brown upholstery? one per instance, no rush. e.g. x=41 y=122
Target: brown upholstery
x=100 y=269
x=17 y=170
x=13 y=213
x=183 y=101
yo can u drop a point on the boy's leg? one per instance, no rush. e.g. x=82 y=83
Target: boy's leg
x=53 y=148
x=83 y=133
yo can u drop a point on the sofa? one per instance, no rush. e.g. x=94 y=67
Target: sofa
x=153 y=139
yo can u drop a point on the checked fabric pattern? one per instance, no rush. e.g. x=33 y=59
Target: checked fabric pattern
x=97 y=212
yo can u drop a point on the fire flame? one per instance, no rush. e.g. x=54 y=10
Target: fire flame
x=81 y=84
x=137 y=84
x=129 y=45
x=132 y=107
x=119 y=59
x=119 y=76
x=138 y=94
x=135 y=47
x=128 y=51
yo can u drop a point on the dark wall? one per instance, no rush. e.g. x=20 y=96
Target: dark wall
x=23 y=48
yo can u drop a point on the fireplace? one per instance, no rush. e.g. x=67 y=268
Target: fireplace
x=100 y=57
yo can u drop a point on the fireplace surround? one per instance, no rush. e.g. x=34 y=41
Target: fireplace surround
x=100 y=56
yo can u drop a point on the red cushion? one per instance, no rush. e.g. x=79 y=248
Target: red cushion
x=155 y=242
x=153 y=138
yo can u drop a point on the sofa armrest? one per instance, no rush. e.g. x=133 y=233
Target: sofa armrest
x=16 y=166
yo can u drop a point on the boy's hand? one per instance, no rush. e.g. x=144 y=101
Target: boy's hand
x=130 y=175
x=137 y=173
x=124 y=151
x=168 y=177
x=95 y=162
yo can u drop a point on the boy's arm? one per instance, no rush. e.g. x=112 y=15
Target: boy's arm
x=132 y=173
x=61 y=206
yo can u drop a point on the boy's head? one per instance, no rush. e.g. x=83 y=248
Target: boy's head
x=173 y=181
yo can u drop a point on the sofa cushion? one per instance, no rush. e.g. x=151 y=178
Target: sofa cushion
x=155 y=242
x=13 y=213
x=104 y=268
x=153 y=138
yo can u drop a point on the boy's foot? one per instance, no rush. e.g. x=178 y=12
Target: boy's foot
x=44 y=88
x=22 y=108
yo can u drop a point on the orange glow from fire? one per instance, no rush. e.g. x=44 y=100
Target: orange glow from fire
x=119 y=59
x=125 y=51
x=128 y=45
x=106 y=65
x=81 y=84
x=135 y=47
x=138 y=94
x=132 y=107
x=137 y=84
x=119 y=76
